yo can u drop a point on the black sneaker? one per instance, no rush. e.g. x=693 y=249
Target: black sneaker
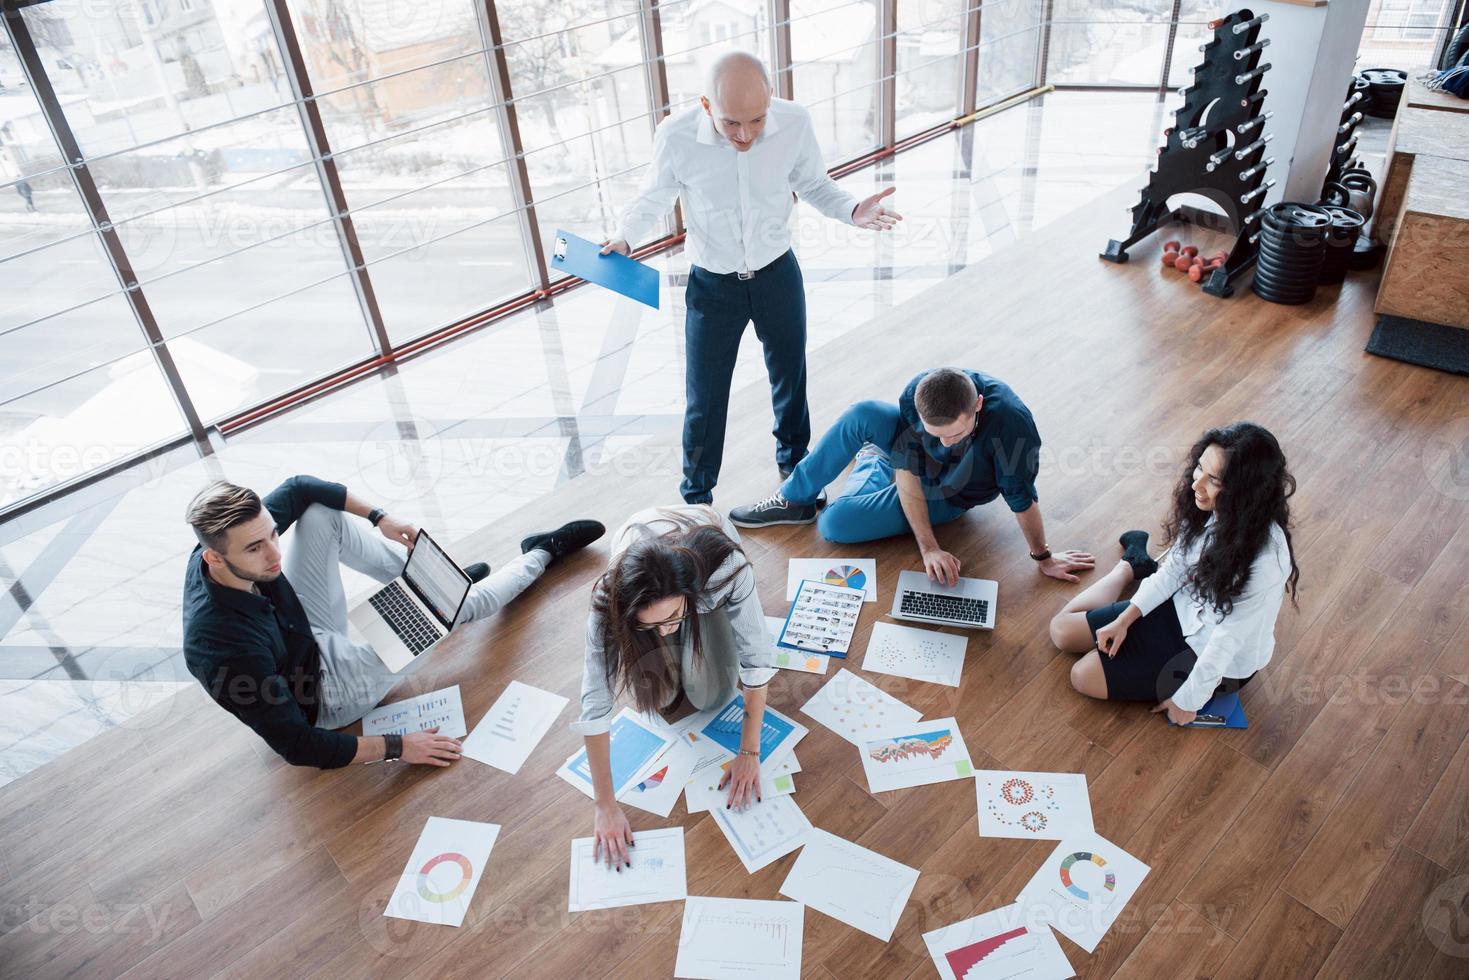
x=774 y=509
x=565 y=540
x=478 y=572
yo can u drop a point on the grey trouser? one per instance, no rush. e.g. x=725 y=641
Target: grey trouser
x=353 y=678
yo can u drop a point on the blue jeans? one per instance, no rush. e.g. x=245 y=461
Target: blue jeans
x=717 y=309
x=868 y=507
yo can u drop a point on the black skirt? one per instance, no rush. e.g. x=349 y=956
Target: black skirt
x=1154 y=659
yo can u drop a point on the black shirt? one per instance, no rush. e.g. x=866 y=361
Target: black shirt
x=1000 y=458
x=255 y=654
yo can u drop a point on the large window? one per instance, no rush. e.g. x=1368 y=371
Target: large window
x=255 y=244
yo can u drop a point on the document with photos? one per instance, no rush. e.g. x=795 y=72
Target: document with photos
x=822 y=619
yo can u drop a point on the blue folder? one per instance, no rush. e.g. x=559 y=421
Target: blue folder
x=616 y=272
x=1223 y=706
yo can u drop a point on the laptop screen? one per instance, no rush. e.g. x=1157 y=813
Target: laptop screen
x=437 y=579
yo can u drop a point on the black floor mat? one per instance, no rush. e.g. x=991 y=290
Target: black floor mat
x=1417 y=342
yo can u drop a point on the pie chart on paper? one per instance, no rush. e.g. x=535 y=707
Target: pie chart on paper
x=846 y=575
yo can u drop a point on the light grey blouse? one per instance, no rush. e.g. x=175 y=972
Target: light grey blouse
x=738 y=599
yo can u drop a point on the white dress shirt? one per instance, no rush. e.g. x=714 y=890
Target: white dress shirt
x=736 y=206
x=750 y=652
x=1233 y=646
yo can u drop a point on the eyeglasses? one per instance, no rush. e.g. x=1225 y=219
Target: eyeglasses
x=675 y=621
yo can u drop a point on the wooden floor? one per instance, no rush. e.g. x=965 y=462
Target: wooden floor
x=1309 y=845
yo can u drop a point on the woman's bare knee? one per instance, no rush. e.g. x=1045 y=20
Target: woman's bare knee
x=1087 y=677
x=1070 y=633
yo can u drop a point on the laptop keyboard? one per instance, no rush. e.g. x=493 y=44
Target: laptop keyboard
x=952 y=607
x=415 y=629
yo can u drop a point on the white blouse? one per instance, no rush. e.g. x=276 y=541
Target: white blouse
x=738 y=599
x=1232 y=646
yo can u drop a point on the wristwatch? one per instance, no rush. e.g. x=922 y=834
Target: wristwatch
x=375 y=515
x=394 y=748
x=1041 y=556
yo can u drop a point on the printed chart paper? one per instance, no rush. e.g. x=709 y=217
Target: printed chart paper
x=1032 y=805
x=809 y=663
x=1082 y=888
x=822 y=619
x=635 y=749
x=763 y=832
x=851 y=884
x=513 y=727
x=740 y=939
x=443 y=871
x=915 y=755
x=853 y=573
x=703 y=792
x=923 y=655
x=997 y=945
x=658 y=791
x=656 y=874
x=778 y=734
x=437 y=708
x=853 y=708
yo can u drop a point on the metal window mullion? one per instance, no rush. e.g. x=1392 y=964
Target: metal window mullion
x=86 y=185
x=327 y=174
x=1168 y=49
x=1043 y=63
x=656 y=74
x=498 y=68
x=969 y=75
x=887 y=64
x=780 y=48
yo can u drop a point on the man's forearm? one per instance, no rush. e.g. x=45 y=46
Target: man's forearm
x=915 y=509
x=1033 y=527
x=356 y=505
x=371 y=748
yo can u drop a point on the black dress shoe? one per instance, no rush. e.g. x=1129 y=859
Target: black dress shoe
x=478 y=572
x=566 y=539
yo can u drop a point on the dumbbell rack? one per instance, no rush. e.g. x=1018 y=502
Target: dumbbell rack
x=1352 y=111
x=1215 y=148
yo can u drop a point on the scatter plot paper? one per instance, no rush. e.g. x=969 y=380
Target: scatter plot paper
x=923 y=655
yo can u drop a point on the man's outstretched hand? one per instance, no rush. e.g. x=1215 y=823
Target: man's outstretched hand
x=870 y=213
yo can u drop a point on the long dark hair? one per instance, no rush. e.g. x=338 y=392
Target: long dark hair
x=1256 y=493
x=682 y=561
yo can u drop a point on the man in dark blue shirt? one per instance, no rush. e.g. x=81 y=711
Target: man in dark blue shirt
x=955 y=440
x=281 y=660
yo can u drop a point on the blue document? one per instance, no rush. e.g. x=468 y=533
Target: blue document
x=726 y=727
x=632 y=746
x=618 y=273
x=1222 y=711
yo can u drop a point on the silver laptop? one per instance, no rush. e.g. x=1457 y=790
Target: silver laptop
x=970 y=604
x=415 y=610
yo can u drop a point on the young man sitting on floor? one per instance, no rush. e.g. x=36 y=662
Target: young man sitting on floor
x=280 y=659
x=955 y=440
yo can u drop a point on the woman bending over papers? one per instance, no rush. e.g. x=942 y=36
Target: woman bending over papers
x=1202 y=621
x=676 y=624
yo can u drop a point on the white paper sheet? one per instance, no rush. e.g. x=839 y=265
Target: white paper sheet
x=513 y=727
x=1032 y=805
x=853 y=708
x=997 y=945
x=853 y=573
x=740 y=939
x=636 y=747
x=763 y=832
x=807 y=663
x=703 y=792
x=658 y=791
x=655 y=875
x=850 y=883
x=822 y=619
x=443 y=871
x=442 y=708
x=1082 y=888
x=915 y=755
x=923 y=655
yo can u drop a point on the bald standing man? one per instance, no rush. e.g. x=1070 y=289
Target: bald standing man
x=737 y=161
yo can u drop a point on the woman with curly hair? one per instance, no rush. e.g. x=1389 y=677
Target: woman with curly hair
x=1229 y=565
x=676 y=624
